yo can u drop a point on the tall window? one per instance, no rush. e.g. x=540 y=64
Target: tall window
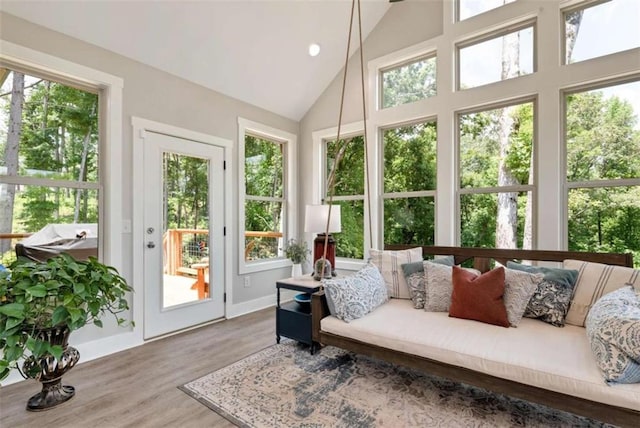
x=266 y=201
x=602 y=135
x=264 y=197
x=49 y=157
x=348 y=193
x=496 y=177
x=409 y=181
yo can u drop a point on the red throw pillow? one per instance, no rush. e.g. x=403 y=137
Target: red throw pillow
x=479 y=298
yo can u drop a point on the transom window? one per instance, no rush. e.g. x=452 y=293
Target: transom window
x=409 y=82
x=601 y=28
x=506 y=56
x=469 y=8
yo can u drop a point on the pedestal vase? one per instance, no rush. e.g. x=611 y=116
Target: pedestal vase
x=50 y=370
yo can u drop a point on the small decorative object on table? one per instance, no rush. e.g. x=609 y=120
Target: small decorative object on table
x=297 y=253
x=322 y=269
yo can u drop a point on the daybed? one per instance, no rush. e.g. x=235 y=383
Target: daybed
x=536 y=361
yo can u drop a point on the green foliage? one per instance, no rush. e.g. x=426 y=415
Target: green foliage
x=59 y=292
x=296 y=251
x=186 y=192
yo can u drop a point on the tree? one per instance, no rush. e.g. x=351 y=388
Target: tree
x=11 y=157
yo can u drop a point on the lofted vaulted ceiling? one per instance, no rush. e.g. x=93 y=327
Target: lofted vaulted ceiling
x=252 y=50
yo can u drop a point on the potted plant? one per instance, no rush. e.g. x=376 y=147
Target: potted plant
x=41 y=303
x=297 y=252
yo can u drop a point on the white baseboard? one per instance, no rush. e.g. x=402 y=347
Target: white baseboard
x=257 y=304
x=92 y=350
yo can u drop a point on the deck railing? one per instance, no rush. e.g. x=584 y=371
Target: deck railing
x=178 y=253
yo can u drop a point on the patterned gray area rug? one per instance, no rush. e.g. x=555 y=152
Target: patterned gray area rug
x=285 y=386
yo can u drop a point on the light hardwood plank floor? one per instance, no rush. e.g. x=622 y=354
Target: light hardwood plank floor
x=139 y=387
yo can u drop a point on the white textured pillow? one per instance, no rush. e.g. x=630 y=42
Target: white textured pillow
x=439 y=286
x=519 y=286
x=613 y=329
x=352 y=297
x=594 y=281
x=389 y=263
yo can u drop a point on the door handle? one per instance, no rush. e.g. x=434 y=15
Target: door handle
x=151 y=244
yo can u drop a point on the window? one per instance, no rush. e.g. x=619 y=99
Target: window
x=348 y=193
x=585 y=26
x=509 y=55
x=602 y=136
x=468 y=8
x=409 y=82
x=409 y=180
x=49 y=157
x=496 y=177
x=267 y=216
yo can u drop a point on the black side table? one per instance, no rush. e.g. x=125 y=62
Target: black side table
x=292 y=319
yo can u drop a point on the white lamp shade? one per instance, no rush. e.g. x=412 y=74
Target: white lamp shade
x=315 y=219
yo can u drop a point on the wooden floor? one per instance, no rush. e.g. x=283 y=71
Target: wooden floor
x=139 y=387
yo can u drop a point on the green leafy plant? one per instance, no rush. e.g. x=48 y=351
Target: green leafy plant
x=59 y=292
x=296 y=251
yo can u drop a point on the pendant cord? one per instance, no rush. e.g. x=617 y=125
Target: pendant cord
x=341 y=149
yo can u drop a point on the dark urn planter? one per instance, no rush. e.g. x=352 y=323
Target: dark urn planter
x=50 y=371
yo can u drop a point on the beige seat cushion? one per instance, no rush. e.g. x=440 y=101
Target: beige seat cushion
x=594 y=281
x=535 y=353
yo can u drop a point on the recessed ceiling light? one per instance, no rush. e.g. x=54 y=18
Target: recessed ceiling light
x=314 y=49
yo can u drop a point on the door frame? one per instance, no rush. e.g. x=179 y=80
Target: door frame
x=140 y=128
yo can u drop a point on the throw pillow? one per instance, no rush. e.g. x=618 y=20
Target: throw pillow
x=414 y=275
x=550 y=302
x=613 y=329
x=594 y=281
x=519 y=286
x=438 y=286
x=389 y=262
x=479 y=298
x=352 y=297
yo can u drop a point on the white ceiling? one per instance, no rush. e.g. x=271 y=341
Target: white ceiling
x=251 y=50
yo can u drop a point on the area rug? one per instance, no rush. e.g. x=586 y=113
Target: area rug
x=285 y=386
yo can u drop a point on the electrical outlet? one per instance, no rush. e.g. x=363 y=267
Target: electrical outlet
x=247 y=281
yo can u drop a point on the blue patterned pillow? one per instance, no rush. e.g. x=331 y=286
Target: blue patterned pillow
x=354 y=296
x=550 y=302
x=613 y=329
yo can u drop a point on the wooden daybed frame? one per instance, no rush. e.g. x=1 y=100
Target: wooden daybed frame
x=482 y=261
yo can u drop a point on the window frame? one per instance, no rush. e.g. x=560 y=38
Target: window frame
x=289 y=223
x=110 y=95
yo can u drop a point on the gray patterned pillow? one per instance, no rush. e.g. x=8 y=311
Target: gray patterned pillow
x=414 y=274
x=552 y=298
x=613 y=329
x=519 y=286
x=438 y=286
x=352 y=297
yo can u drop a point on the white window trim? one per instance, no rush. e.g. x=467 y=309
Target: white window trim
x=110 y=88
x=290 y=228
x=319 y=137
